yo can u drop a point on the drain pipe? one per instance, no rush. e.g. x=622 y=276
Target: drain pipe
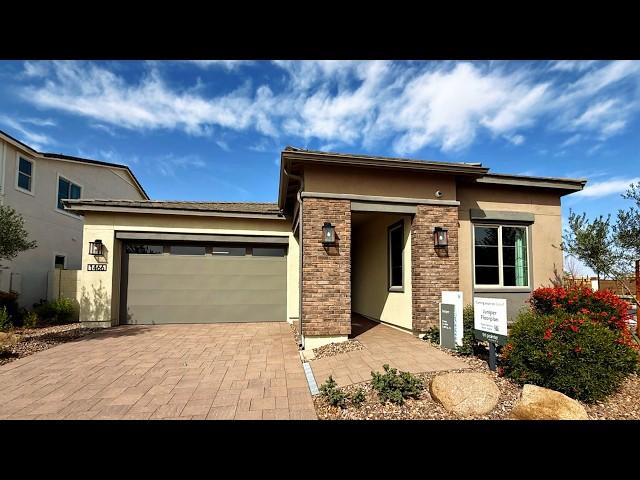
x=299 y=198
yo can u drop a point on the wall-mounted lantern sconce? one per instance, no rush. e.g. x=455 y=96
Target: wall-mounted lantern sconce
x=440 y=237
x=328 y=234
x=96 y=247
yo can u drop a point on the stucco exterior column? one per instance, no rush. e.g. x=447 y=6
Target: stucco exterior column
x=432 y=270
x=326 y=271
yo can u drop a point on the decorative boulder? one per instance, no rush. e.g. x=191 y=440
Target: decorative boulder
x=537 y=403
x=466 y=393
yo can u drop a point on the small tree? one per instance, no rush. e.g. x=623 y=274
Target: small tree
x=627 y=228
x=592 y=242
x=13 y=236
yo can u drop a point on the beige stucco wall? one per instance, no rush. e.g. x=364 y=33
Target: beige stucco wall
x=386 y=183
x=57 y=233
x=370 y=292
x=99 y=291
x=546 y=231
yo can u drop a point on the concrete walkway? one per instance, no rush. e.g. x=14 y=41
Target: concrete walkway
x=383 y=344
x=221 y=371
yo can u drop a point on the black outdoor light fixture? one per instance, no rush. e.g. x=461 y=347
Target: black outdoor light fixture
x=328 y=234
x=95 y=247
x=440 y=237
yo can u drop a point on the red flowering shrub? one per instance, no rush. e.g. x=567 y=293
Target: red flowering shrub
x=601 y=306
x=572 y=353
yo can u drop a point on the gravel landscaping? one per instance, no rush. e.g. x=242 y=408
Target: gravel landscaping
x=622 y=405
x=21 y=342
x=332 y=349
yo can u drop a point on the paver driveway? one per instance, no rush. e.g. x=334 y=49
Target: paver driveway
x=221 y=371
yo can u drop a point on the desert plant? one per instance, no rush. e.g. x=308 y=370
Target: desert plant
x=59 y=311
x=14 y=238
x=469 y=342
x=5 y=319
x=396 y=387
x=10 y=301
x=601 y=306
x=7 y=341
x=30 y=320
x=358 y=397
x=570 y=353
x=432 y=334
x=333 y=394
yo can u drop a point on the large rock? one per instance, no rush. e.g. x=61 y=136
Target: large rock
x=537 y=403
x=465 y=394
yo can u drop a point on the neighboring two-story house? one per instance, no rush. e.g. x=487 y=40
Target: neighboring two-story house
x=34 y=184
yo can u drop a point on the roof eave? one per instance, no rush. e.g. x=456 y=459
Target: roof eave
x=565 y=184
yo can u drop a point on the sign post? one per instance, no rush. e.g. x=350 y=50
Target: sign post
x=490 y=324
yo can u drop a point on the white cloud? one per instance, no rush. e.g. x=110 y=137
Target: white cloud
x=515 y=139
x=40 y=122
x=571 y=65
x=606 y=188
x=446 y=105
x=33 y=139
x=168 y=164
x=572 y=140
x=228 y=65
x=35 y=69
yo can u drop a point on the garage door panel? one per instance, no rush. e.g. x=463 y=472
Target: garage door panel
x=155 y=314
x=185 y=282
x=205 y=297
x=205 y=289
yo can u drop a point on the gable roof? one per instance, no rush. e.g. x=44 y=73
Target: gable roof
x=60 y=156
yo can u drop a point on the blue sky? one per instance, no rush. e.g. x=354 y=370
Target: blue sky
x=213 y=130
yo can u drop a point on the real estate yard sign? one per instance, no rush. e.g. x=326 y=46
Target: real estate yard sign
x=490 y=319
x=447 y=325
x=454 y=299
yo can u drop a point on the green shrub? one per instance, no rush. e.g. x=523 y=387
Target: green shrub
x=30 y=320
x=59 y=311
x=469 y=343
x=433 y=334
x=570 y=353
x=5 y=319
x=358 y=397
x=9 y=300
x=332 y=394
x=395 y=387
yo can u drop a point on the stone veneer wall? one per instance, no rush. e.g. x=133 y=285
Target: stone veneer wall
x=432 y=271
x=326 y=271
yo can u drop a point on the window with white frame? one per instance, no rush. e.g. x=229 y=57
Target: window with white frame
x=500 y=256
x=66 y=190
x=25 y=174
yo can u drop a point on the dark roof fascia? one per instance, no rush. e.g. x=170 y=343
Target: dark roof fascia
x=568 y=184
x=383 y=162
x=82 y=206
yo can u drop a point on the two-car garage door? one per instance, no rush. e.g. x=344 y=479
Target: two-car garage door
x=183 y=283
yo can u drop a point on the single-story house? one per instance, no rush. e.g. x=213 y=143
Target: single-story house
x=380 y=237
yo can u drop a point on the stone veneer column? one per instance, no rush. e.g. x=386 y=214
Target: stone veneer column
x=326 y=271
x=432 y=270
